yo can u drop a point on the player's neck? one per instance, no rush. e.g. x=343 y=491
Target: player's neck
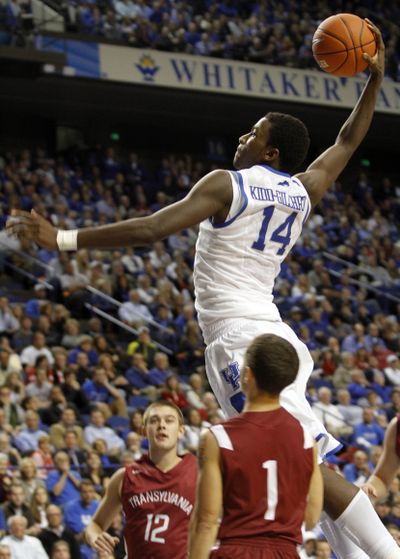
x=164 y=460
x=261 y=402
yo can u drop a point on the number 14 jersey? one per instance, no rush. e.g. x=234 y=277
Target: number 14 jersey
x=237 y=261
x=157 y=507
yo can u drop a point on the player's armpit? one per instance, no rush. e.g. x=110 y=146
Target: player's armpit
x=323 y=172
x=315 y=495
x=205 y=521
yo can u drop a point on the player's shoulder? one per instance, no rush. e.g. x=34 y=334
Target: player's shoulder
x=136 y=466
x=296 y=428
x=189 y=464
x=188 y=458
x=217 y=177
x=216 y=183
x=224 y=433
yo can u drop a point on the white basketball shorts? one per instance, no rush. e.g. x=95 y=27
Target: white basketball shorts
x=224 y=358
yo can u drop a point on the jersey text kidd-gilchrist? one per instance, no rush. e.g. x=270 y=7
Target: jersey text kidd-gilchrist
x=161 y=497
x=269 y=195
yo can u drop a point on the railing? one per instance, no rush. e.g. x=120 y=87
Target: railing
x=360 y=283
x=90 y=289
x=124 y=326
x=28 y=275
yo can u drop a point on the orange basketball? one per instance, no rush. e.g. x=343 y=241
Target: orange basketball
x=339 y=43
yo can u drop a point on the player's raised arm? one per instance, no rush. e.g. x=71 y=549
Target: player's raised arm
x=378 y=484
x=95 y=533
x=315 y=495
x=205 y=520
x=327 y=167
x=211 y=196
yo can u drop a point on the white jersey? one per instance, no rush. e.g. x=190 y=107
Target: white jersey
x=237 y=261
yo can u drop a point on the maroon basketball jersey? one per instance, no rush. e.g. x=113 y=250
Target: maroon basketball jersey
x=398 y=437
x=157 y=508
x=267 y=463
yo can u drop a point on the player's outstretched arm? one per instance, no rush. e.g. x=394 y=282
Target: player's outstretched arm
x=205 y=520
x=209 y=197
x=378 y=484
x=95 y=533
x=315 y=495
x=327 y=167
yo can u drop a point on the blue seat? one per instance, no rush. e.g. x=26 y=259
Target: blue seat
x=118 y=423
x=138 y=402
x=85 y=419
x=319 y=382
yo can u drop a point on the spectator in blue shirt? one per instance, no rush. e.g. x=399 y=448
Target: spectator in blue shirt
x=138 y=374
x=359 y=386
x=372 y=339
x=97 y=429
x=78 y=513
x=101 y=392
x=378 y=383
x=352 y=342
x=85 y=345
x=318 y=324
x=368 y=433
x=32 y=307
x=359 y=470
x=27 y=439
x=159 y=373
x=63 y=483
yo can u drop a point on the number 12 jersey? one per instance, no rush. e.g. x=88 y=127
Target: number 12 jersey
x=157 y=507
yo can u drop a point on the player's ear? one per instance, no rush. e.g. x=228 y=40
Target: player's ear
x=181 y=431
x=251 y=380
x=245 y=377
x=271 y=154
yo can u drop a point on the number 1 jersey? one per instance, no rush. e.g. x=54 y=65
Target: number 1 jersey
x=157 y=507
x=237 y=261
x=267 y=462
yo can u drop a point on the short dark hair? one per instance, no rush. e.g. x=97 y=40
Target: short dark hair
x=274 y=362
x=60 y=543
x=290 y=135
x=86 y=482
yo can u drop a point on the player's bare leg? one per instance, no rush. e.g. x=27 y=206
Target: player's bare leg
x=353 y=518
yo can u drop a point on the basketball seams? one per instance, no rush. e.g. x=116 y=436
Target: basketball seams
x=343 y=63
x=330 y=34
x=346 y=49
x=348 y=29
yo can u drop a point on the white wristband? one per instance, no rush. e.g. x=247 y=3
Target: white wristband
x=67 y=240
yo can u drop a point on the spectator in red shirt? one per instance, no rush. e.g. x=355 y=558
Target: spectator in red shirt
x=173 y=392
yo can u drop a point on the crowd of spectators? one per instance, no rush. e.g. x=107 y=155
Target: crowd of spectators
x=16 y=23
x=263 y=31
x=73 y=385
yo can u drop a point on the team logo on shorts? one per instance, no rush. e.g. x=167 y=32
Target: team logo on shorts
x=231 y=375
